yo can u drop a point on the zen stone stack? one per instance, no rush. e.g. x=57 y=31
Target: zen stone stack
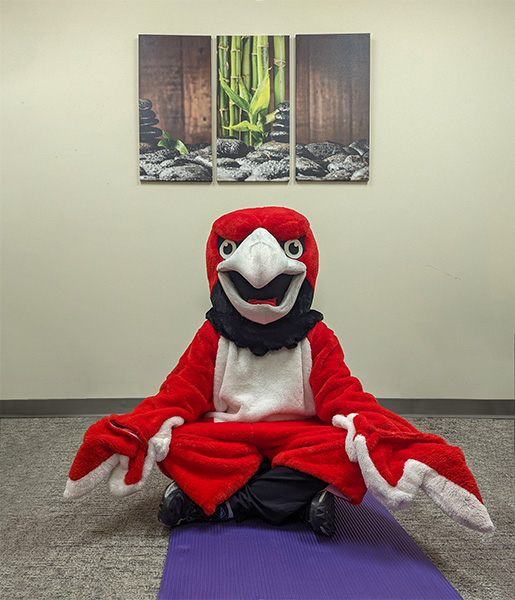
x=281 y=126
x=148 y=134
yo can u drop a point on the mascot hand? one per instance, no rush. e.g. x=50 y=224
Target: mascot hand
x=396 y=460
x=117 y=449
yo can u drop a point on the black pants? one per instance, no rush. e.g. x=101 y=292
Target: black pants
x=274 y=494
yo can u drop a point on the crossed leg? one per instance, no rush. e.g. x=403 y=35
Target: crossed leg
x=214 y=462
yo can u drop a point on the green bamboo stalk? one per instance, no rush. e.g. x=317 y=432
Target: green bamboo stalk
x=246 y=74
x=234 y=113
x=254 y=60
x=279 y=70
x=246 y=68
x=262 y=52
x=262 y=62
x=223 y=99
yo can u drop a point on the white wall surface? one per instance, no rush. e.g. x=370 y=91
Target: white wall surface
x=103 y=280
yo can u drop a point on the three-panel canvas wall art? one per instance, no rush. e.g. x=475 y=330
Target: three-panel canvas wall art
x=259 y=130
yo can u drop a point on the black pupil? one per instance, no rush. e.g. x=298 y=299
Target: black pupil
x=293 y=248
x=227 y=248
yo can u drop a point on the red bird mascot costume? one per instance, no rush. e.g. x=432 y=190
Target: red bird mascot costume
x=261 y=414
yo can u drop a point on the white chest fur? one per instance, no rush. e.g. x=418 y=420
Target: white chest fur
x=273 y=387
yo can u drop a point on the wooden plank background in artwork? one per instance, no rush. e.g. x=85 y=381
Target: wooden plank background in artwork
x=175 y=75
x=332 y=87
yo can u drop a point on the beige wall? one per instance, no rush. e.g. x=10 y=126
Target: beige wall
x=103 y=281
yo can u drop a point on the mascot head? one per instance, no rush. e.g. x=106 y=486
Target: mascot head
x=264 y=260
x=262 y=265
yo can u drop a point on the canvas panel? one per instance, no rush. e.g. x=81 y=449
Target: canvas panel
x=175 y=108
x=253 y=129
x=332 y=107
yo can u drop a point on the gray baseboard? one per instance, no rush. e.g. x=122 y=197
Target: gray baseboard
x=435 y=407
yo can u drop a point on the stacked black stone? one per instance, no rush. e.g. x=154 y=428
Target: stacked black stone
x=281 y=126
x=148 y=134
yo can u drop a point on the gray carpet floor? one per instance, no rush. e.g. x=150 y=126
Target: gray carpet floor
x=100 y=547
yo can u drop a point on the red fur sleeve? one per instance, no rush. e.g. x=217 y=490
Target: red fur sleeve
x=396 y=460
x=335 y=390
x=188 y=389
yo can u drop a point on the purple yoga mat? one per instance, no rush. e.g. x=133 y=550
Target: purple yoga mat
x=371 y=557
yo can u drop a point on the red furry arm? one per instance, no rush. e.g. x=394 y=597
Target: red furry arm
x=335 y=390
x=123 y=448
x=396 y=460
x=188 y=389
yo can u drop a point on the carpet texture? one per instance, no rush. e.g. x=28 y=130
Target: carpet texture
x=105 y=548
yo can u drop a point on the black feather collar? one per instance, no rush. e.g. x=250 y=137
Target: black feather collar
x=259 y=339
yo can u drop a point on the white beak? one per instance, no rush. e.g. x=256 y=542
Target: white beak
x=260 y=259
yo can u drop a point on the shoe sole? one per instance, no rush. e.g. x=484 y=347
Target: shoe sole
x=163 y=511
x=323 y=521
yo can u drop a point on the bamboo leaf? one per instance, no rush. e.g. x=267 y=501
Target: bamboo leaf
x=260 y=138
x=244 y=92
x=261 y=98
x=270 y=117
x=242 y=126
x=245 y=126
x=166 y=141
x=169 y=142
x=238 y=100
x=181 y=147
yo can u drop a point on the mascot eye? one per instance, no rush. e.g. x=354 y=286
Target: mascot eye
x=227 y=247
x=293 y=248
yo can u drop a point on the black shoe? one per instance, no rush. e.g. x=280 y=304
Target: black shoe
x=177 y=508
x=319 y=513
